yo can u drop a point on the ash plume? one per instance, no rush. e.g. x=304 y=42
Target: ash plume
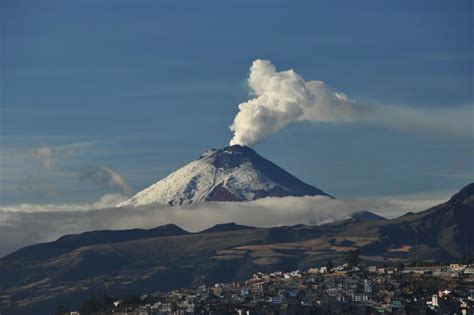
x=284 y=97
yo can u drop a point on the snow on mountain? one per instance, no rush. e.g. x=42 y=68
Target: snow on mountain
x=235 y=173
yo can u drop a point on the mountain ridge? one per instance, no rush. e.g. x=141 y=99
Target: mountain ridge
x=70 y=242
x=223 y=227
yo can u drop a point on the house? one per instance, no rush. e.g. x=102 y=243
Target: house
x=456 y=267
x=360 y=298
x=277 y=299
x=257 y=288
x=469 y=270
x=313 y=270
x=244 y=292
x=367 y=286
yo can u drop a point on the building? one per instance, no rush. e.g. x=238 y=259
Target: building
x=367 y=286
x=277 y=299
x=469 y=270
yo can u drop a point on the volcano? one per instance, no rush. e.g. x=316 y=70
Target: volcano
x=234 y=173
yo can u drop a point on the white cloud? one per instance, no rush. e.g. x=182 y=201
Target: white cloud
x=285 y=97
x=49 y=156
x=46 y=156
x=107 y=200
x=28 y=224
x=412 y=202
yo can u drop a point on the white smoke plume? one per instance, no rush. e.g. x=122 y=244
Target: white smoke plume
x=285 y=97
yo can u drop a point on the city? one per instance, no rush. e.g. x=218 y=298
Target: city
x=342 y=289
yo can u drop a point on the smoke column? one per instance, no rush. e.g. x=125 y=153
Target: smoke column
x=285 y=97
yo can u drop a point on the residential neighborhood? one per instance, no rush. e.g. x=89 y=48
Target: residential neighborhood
x=430 y=289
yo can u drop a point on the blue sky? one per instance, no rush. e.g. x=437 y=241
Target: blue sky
x=142 y=87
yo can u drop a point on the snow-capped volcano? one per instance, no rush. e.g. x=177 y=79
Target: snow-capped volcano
x=235 y=173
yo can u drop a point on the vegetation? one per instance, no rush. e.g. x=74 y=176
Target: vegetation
x=329 y=264
x=62 y=310
x=352 y=258
x=96 y=304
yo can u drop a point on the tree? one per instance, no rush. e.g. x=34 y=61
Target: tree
x=352 y=258
x=131 y=301
x=400 y=266
x=329 y=264
x=61 y=310
x=95 y=304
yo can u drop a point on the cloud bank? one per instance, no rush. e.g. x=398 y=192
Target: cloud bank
x=285 y=97
x=29 y=224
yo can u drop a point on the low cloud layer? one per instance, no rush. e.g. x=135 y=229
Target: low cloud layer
x=285 y=97
x=29 y=224
x=105 y=177
x=107 y=200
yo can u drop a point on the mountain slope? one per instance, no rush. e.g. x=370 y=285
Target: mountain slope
x=68 y=243
x=366 y=216
x=447 y=227
x=234 y=173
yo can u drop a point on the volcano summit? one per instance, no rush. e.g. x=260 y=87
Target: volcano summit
x=234 y=173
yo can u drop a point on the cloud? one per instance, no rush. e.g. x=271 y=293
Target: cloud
x=105 y=177
x=49 y=155
x=28 y=224
x=107 y=200
x=46 y=156
x=401 y=204
x=285 y=97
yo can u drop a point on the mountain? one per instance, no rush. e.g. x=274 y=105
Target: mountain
x=234 y=173
x=68 y=243
x=227 y=227
x=34 y=283
x=446 y=228
x=366 y=216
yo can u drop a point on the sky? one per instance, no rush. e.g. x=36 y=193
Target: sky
x=102 y=97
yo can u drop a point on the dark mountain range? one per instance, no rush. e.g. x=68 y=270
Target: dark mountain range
x=32 y=282
x=366 y=216
x=68 y=243
x=227 y=227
